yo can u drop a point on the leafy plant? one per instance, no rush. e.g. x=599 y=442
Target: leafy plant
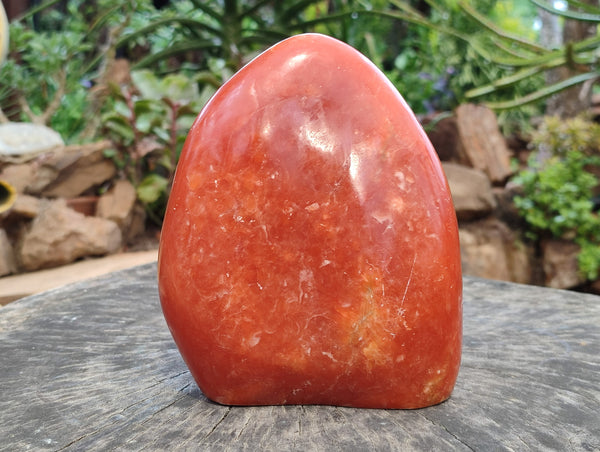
x=233 y=31
x=528 y=59
x=44 y=77
x=559 y=187
x=211 y=29
x=56 y=57
x=148 y=125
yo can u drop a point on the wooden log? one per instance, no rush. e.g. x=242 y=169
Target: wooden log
x=92 y=366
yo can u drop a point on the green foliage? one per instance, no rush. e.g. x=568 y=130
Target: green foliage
x=54 y=58
x=46 y=76
x=235 y=31
x=433 y=54
x=527 y=60
x=558 y=188
x=425 y=70
x=516 y=17
x=444 y=51
x=148 y=124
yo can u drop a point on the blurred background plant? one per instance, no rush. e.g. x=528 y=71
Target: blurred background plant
x=449 y=52
x=147 y=123
x=56 y=54
x=560 y=187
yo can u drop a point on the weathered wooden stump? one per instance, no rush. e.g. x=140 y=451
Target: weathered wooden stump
x=92 y=366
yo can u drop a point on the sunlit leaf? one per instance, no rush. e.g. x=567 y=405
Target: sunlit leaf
x=151 y=188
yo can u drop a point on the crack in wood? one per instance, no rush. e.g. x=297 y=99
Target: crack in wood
x=301 y=414
x=163 y=408
x=525 y=442
x=169 y=377
x=449 y=432
x=139 y=402
x=212 y=430
x=243 y=427
x=75 y=441
x=358 y=429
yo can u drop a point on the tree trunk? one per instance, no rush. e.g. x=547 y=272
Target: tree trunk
x=550 y=32
x=572 y=101
x=15 y=8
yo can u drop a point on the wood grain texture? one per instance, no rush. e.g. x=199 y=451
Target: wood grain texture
x=92 y=366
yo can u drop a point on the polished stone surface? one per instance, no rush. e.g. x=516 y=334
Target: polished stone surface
x=310 y=250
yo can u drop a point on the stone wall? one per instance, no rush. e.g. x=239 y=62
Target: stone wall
x=57 y=216
x=477 y=161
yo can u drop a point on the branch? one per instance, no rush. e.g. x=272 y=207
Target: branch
x=107 y=55
x=54 y=104
x=52 y=107
x=25 y=108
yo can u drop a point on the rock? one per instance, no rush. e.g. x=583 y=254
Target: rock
x=471 y=191
x=560 y=264
x=22 y=140
x=65 y=172
x=8 y=263
x=137 y=225
x=445 y=139
x=25 y=206
x=85 y=205
x=20 y=176
x=595 y=287
x=119 y=205
x=506 y=211
x=489 y=249
x=333 y=233
x=59 y=235
x=482 y=145
x=75 y=171
x=15 y=221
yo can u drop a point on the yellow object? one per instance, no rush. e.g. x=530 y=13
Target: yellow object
x=8 y=194
x=3 y=34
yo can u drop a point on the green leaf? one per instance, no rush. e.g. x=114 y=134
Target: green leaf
x=498 y=31
x=146 y=122
x=147 y=83
x=569 y=14
x=167 y=22
x=504 y=82
x=152 y=188
x=147 y=106
x=544 y=92
x=121 y=129
x=177 y=49
x=179 y=88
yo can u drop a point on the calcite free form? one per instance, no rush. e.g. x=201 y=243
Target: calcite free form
x=309 y=254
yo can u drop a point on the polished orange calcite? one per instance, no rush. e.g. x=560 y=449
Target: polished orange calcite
x=309 y=254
